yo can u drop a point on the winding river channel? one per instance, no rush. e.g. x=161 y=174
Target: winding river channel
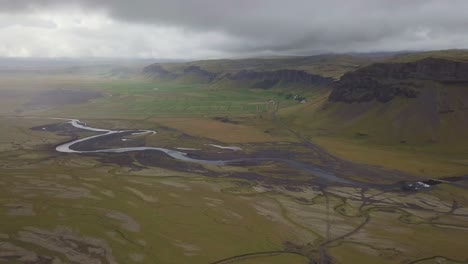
x=182 y=156
x=68 y=147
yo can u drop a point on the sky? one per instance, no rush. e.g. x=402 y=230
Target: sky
x=208 y=29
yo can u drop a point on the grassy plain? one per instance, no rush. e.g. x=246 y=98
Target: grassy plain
x=144 y=99
x=158 y=215
x=72 y=208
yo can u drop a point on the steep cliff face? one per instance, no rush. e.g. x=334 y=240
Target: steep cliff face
x=198 y=72
x=385 y=81
x=253 y=79
x=270 y=78
x=156 y=71
x=416 y=102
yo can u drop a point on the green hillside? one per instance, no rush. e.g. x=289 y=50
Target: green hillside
x=418 y=106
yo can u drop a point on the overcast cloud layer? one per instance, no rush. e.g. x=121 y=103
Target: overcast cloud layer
x=197 y=29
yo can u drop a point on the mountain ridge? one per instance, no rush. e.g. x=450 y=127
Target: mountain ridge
x=385 y=81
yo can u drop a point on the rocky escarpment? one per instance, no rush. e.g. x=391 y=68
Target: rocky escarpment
x=157 y=71
x=200 y=73
x=385 y=81
x=267 y=79
x=255 y=79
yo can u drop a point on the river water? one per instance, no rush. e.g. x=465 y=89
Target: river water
x=182 y=156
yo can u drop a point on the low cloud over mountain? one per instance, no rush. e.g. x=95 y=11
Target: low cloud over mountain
x=212 y=28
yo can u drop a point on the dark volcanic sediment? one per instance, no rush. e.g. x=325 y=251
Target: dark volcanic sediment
x=322 y=175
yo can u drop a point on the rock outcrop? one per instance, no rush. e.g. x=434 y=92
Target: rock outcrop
x=256 y=79
x=200 y=73
x=157 y=71
x=267 y=79
x=385 y=81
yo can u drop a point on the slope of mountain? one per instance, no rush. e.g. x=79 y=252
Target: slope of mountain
x=328 y=65
x=325 y=65
x=385 y=81
x=417 y=102
x=418 y=98
x=266 y=73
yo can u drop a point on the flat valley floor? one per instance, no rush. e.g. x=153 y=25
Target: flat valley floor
x=146 y=207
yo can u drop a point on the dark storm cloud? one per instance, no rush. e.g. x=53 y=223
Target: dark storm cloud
x=294 y=26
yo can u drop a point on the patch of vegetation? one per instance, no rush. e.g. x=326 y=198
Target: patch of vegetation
x=146 y=99
x=91 y=207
